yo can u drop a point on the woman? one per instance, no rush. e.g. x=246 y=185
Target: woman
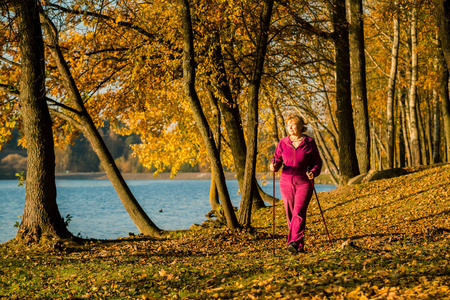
x=299 y=156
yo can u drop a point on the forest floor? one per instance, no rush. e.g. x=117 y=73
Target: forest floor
x=390 y=239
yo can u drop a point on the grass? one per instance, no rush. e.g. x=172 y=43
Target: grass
x=390 y=240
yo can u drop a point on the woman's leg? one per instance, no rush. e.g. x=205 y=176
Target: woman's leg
x=287 y=194
x=302 y=197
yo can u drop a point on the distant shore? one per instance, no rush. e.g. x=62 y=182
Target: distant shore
x=322 y=179
x=165 y=175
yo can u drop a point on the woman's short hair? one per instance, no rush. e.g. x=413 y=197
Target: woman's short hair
x=298 y=120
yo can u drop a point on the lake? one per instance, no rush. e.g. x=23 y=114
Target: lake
x=96 y=210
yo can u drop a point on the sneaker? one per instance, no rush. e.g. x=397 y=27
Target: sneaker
x=293 y=248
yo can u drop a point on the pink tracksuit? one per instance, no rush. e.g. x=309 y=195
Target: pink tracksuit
x=296 y=189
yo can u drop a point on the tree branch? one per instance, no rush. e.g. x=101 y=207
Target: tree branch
x=67 y=119
x=8 y=61
x=103 y=17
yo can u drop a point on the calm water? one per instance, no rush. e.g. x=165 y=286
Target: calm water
x=97 y=212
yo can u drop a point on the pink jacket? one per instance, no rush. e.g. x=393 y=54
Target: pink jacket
x=296 y=162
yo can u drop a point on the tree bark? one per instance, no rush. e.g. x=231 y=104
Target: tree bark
x=391 y=94
x=437 y=128
x=41 y=216
x=443 y=20
x=348 y=162
x=144 y=224
x=358 y=83
x=404 y=124
x=213 y=194
x=401 y=139
x=416 y=157
x=202 y=123
x=426 y=128
x=445 y=99
x=248 y=190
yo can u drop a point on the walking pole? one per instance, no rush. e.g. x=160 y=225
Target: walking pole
x=315 y=193
x=273 y=215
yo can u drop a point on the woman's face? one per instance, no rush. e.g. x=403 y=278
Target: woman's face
x=293 y=128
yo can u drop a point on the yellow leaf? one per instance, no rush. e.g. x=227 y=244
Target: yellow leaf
x=354 y=294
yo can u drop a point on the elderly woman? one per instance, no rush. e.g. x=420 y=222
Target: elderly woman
x=299 y=156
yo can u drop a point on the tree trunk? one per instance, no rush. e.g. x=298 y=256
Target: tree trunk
x=429 y=129
x=416 y=157
x=41 y=216
x=348 y=162
x=273 y=115
x=422 y=135
x=189 y=89
x=331 y=164
x=437 y=128
x=358 y=83
x=443 y=19
x=404 y=114
x=328 y=160
x=391 y=95
x=213 y=194
x=87 y=126
x=445 y=100
x=233 y=124
x=248 y=190
x=401 y=138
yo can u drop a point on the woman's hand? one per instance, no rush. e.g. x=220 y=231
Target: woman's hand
x=272 y=167
x=310 y=175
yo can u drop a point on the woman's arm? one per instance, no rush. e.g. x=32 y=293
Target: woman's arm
x=316 y=161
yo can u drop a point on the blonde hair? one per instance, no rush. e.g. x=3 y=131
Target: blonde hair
x=298 y=120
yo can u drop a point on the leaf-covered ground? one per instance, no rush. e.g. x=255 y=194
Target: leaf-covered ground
x=390 y=240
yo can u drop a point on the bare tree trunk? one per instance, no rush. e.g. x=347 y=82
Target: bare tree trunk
x=213 y=194
x=377 y=145
x=404 y=114
x=380 y=147
x=248 y=190
x=416 y=157
x=358 y=83
x=281 y=121
x=144 y=224
x=275 y=136
x=445 y=100
x=328 y=161
x=437 y=128
x=325 y=151
x=391 y=94
x=348 y=162
x=442 y=8
x=429 y=128
x=401 y=138
x=422 y=135
x=202 y=123
x=41 y=216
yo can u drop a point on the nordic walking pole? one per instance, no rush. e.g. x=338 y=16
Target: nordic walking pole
x=273 y=215
x=315 y=193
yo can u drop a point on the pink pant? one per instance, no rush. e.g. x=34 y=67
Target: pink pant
x=296 y=199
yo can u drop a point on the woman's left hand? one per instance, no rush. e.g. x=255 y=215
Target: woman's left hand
x=310 y=175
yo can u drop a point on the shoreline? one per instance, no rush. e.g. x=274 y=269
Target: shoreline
x=164 y=175
x=322 y=179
